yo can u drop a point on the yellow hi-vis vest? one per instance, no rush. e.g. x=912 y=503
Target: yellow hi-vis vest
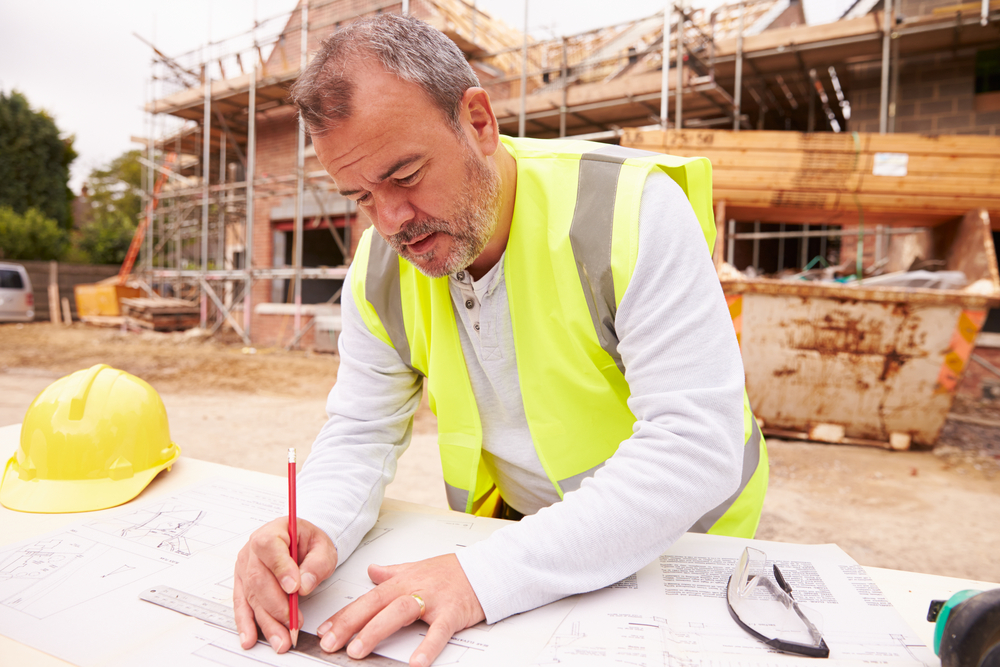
x=572 y=250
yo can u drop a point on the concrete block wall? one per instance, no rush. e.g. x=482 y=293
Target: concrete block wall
x=936 y=96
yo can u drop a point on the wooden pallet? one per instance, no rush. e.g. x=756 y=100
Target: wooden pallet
x=160 y=314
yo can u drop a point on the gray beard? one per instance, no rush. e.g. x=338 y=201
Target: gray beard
x=471 y=226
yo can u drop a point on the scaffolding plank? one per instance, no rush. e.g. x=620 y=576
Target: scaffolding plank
x=822 y=142
x=976 y=168
x=943 y=191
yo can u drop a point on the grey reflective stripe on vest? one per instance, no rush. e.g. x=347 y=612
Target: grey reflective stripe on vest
x=382 y=292
x=751 y=459
x=590 y=236
x=457 y=498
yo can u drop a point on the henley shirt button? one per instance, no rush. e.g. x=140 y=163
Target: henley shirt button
x=460 y=276
x=476 y=326
x=469 y=304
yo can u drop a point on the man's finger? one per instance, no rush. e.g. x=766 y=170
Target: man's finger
x=243 y=614
x=434 y=642
x=247 y=611
x=356 y=615
x=318 y=564
x=271 y=548
x=256 y=588
x=382 y=573
x=399 y=613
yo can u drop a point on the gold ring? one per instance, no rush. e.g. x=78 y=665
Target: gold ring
x=420 y=601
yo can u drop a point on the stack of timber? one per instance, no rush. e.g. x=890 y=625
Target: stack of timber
x=823 y=178
x=160 y=314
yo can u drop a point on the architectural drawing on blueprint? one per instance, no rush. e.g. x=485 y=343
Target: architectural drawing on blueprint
x=118 y=570
x=38 y=560
x=622 y=639
x=31 y=576
x=167 y=528
x=374 y=534
x=179 y=529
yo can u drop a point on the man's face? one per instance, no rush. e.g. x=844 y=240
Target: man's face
x=424 y=187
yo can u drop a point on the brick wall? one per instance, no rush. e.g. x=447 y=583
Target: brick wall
x=277 y=136
x=936 y=96
x=278 y=331
x=277 y=144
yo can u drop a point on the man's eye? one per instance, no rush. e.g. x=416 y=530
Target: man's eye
x=364 y=199
x=409 y=180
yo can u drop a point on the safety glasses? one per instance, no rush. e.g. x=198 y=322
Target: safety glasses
x=763 y=606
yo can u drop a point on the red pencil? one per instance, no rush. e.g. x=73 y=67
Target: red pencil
x=293 y=548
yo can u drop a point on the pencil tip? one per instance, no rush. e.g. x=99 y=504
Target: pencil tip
x=295 y=637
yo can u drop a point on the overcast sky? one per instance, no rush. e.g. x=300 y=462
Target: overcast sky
x=79 y=60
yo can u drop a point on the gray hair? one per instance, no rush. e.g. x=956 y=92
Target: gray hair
x=404 y=46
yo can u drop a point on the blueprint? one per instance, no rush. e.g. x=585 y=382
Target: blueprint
x=83 y=577
x=86 y=577
x=404 y=537
x=674 y=612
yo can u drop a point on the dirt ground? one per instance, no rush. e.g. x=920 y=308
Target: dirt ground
x=934 y=511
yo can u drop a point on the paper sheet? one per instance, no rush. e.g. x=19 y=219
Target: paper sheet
x=74 y=593
x=400 y=537
x=674 y=612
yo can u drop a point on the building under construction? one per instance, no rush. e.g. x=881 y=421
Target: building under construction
x=245 y=220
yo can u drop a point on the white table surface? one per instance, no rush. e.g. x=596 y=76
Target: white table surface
x=910 y=593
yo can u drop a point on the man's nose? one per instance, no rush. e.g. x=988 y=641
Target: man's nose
x=394 y=211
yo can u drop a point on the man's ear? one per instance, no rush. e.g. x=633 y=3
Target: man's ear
x=479 y=121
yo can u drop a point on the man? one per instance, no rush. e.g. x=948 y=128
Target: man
x=561 y=302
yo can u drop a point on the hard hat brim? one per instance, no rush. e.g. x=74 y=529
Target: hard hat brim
x=57 y=496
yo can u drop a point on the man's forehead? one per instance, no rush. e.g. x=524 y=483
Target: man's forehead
x=377 y=174
x=380 y=139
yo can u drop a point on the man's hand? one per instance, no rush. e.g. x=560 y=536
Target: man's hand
x=266 y=574
x=450 y=605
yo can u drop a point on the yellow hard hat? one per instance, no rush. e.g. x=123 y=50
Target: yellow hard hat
x=89 y=441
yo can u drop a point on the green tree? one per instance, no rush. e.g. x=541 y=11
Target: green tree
x=117 y=187
x=30 y=236
x=115 y=199
x=34 y=161
x=106 y=239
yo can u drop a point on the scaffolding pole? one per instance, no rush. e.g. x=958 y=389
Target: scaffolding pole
x=150 y=204
x=220 y=251
x=738 y=92
x=221 y=203
x=248 y=234
x=680 y=68
x=883 y=113
x=300 y=176
x=206 y=135
x=665 y=82
x=894 y=83
x=524 y=75
x=564 y=76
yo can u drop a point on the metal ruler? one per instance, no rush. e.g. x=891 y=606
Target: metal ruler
x=221 y=616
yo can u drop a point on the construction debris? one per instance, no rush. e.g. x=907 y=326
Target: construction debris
x=160 y=314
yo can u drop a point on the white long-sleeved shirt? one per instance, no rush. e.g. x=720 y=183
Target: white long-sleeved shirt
x=685 y=375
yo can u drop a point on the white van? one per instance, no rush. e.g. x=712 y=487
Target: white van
x=17 y=301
